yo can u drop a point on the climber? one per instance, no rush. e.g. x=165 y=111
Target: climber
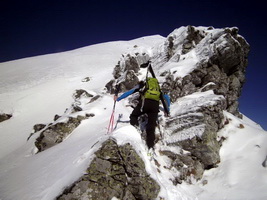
x=148 y=103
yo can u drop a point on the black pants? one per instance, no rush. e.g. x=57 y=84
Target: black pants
x=151 y=108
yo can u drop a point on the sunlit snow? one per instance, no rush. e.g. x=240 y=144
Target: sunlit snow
x=35 y=89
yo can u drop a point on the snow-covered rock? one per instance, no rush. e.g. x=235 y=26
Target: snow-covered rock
x=4 y=116
x=116 y=171
x=205 y=150
x=203 y=70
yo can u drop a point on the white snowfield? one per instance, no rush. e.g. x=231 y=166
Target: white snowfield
x=35 y=89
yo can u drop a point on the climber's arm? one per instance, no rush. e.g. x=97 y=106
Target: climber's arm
x=126 y=94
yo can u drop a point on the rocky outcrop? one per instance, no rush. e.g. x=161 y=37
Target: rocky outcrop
x=86 y=79
x=126 y=72
x=194 y=129
x=210 y=77
x=221 y=68
x=56 y=133
x=188 y=166
x=81 y=93
x=116 y=171
x=215 y=62
x=222 y=55
x=4 y=117
x=203 y=71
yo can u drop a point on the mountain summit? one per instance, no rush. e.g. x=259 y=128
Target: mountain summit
x=56 y=108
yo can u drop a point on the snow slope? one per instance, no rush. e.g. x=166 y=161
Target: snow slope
x=242 y=173
x=35 y=89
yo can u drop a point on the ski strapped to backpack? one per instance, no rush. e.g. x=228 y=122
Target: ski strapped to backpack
x=161 y=97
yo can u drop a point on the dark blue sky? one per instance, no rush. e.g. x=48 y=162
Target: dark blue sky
x=37 y=27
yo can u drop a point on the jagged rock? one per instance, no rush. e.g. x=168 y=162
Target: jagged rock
x=222 y=57
x=182 y=43
x=194 y=36
x=131 y=64
x=38 y=127
x=56 y=133
x=94 y=98
x=79 y=93
x=188 y=166
x=76 y=108
x=89 y=115
x=116 y=171
x=196 y=132
x=56 y=117
x=81 y=97
x=117 y=70
x=128 y=66
x=233 y=56
x=131 y=80
x=126 y=71
x=4 y=116
x=110 y=86
x=86 y=79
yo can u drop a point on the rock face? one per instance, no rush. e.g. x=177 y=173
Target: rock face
x=203 y=71
x=202 y=61
x=56 y=132
x=222 y=60
x=197 y=133
x=116 y=171
x=126 y=71
x=4 y=117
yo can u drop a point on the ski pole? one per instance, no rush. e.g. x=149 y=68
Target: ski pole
x=111 y=121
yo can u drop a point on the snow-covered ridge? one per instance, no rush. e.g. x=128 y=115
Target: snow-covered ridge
x=34 y=90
